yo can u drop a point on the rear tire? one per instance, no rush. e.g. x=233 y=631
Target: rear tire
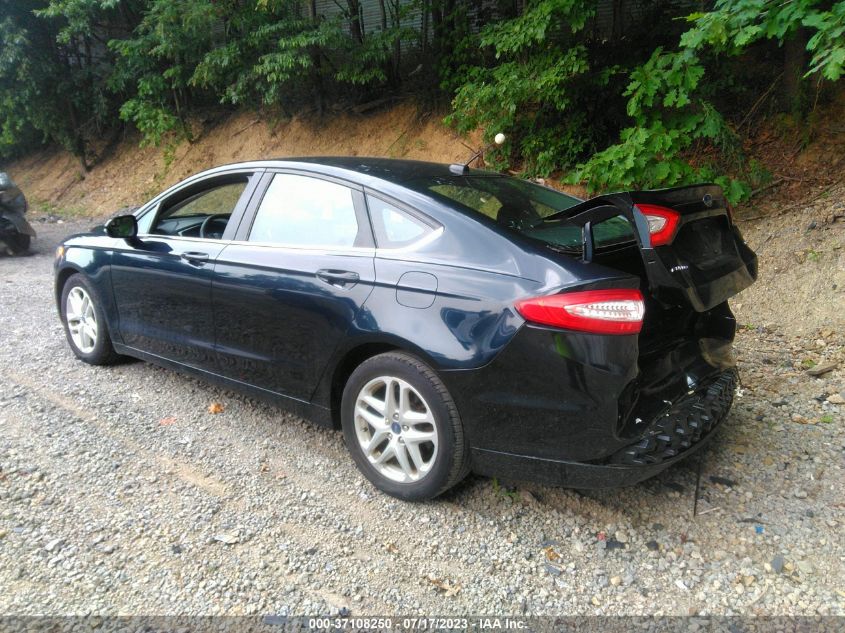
x=402 y=427
x=18 y=244
x=85 y=323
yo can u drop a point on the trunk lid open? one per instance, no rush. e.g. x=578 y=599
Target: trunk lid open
x=705 y=264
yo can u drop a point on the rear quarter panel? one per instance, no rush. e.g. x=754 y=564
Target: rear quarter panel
x=467 y=319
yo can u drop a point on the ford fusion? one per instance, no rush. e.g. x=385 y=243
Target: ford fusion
x=447 y=319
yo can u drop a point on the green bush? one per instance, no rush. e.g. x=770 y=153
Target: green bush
x=529 y=86
x=670 y=97
x=540 y=73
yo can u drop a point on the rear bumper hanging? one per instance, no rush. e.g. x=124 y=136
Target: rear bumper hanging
x=687 y=427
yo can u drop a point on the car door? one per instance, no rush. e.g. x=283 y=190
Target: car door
x=162 y=279
x=289 y=288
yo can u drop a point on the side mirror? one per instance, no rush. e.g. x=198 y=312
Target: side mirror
x=122 y=227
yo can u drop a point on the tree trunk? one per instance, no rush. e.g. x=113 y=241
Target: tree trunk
x=618 y=26
x=425 y=8
x=77 y=141
x=794 y=50
x=317 y=63
x=355 y=21
x=443 y=24
x=382 y=9
x=436 y=19
x=397 y=43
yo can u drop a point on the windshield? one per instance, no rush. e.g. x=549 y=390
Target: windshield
x=523 y=207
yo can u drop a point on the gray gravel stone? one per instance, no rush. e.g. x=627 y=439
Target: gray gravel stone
x=135 y=506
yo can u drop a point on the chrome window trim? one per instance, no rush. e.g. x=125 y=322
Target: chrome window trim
x=350 y=250
x=311 y=248
x=162 y=236
x=299 y=171
x=153 y=204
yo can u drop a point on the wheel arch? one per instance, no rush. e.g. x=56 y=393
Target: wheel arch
x=331 y=389
x=99 y=276
x=62 y=275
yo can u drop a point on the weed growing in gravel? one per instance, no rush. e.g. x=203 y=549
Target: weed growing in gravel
x=504 y=491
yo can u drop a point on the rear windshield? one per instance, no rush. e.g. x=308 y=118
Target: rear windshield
x=522 y=207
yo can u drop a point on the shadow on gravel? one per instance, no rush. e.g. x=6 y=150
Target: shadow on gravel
x=670 y=493
x=6 y=254
x=684 y=491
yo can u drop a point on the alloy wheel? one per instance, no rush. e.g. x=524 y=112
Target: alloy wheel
x=81 y=319
x=395 y=429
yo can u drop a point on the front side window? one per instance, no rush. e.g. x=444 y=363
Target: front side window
x=204 y=213
x=304 y=211
x=218 y=201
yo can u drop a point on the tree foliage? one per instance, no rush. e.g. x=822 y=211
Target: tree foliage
x=193 y=53
x=70 y=69
x=528 y=88
x=671 y=101
x=652 y=100
x=53 y=74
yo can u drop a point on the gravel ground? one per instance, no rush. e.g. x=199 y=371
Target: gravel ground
x=120 y=493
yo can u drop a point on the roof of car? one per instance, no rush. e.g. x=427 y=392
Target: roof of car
x=390 y=169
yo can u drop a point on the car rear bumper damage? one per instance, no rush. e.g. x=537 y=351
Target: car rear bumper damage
x=687 y=425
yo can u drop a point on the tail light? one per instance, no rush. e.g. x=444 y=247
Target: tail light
x=617 y=311
x=662 y=223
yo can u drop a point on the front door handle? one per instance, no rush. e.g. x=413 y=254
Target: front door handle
x=195 y=257
x=341 y=278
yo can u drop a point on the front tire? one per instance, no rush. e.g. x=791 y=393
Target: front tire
x=402 y=427
x=85 y=322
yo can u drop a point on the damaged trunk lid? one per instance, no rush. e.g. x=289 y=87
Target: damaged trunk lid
x=691 y=252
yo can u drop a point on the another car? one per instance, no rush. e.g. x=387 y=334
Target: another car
x=15 y=232
x=447 y=319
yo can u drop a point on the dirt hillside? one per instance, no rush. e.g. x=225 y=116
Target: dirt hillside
x=801 y=285
x=796 y=224
x=131 y=175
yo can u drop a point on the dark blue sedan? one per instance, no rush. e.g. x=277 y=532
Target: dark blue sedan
x=448 y=320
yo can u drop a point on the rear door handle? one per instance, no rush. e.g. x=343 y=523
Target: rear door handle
x=341 y=278
x=195 y=257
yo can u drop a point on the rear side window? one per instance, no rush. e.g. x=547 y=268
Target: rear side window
x=305 y=211
x=395 y=228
